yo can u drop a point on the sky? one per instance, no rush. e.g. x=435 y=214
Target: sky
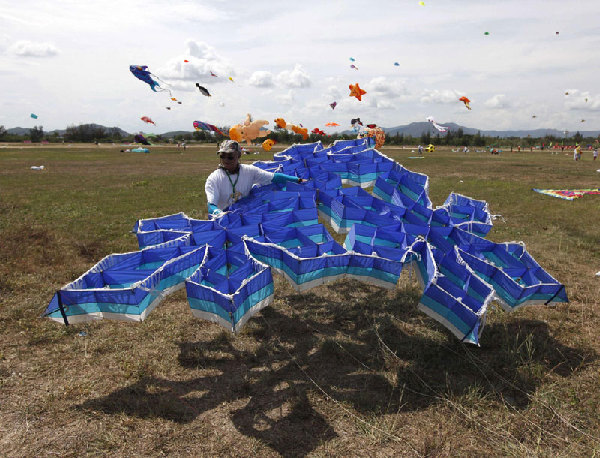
x=68 y=62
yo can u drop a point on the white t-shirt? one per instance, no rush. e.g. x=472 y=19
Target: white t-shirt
x=219 y=188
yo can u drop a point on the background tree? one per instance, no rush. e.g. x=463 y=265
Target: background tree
x=36 y=134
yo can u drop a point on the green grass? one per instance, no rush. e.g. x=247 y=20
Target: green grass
x=345 y=368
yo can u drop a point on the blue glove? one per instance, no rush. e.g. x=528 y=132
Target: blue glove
x=214 y=210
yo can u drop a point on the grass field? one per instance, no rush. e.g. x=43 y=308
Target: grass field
x=344 y=369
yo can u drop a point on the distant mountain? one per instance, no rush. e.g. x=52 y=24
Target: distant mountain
x=17 y=131
x=416 y=129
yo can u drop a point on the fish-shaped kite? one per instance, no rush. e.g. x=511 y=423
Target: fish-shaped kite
x=436 y=125
x=199 y=125
x=203 y=90
x=356 y=91
x=466 y=101
x=147 y=120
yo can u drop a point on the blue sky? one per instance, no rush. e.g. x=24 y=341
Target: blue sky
x=68 y=62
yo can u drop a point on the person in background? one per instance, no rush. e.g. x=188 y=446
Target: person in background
x=232 y=180
x=595 y=153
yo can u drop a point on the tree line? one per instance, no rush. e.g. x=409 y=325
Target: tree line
x=90 y=133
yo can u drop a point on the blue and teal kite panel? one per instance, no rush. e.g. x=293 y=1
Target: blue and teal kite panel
x=226 y=264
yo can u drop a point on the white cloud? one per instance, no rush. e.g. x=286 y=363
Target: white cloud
x=381 y=86
x=261 y=78
x=26 y=48
x=581 y=100
x=286 y=99
x=296 y=78
x=203 y=63
x=436 y=96
x=496 y=101
x=333 y=92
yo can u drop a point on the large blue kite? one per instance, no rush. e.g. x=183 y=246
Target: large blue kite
x=226 y=264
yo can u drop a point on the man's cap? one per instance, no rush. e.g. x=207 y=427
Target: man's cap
x=229 y=146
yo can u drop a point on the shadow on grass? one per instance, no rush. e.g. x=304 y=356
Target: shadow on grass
x=355 y=351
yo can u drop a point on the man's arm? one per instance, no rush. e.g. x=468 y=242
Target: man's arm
x=212 y=195
x=282 y=178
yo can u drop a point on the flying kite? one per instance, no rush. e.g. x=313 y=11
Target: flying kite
x=34 y=116
x=396 y=64
x=268 y=144
x=377 y=133
x=185 y=60
x=175 y=100
x=356 y=91
x=465 y=101
x=231 y=79
x=147 y=120
x=422 y=3
x=299 y=130
x=212 y=74
x=583 y=120
x=142 y=73
x=280 y=122
x=333 y=105
x=566 y=93
x=203 y=90
x=352 y=59
x=436 y=125
x=332 y=124
x=199 y=125
x=355 y=123
x=249 y=130
x=534 y=116
x=317 y=131
x=354 y=67
x=168 y=108
x=486 y=33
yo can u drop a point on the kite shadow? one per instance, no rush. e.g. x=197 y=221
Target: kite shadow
x=353 y=352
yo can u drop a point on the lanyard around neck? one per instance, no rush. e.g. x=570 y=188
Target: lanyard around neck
x=231 y=182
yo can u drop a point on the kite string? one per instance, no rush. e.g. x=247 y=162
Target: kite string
x=529 y=396
x=437 y=396
x=445 y=399
x=332 y=399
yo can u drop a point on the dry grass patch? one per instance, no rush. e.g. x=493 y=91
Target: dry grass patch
x=346 y=368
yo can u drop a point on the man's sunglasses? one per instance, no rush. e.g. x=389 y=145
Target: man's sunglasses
x=229 y=157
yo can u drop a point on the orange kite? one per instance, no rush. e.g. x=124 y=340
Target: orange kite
x=280 y=122
x=356 y=91
x=332 y=124
x=465 y=101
